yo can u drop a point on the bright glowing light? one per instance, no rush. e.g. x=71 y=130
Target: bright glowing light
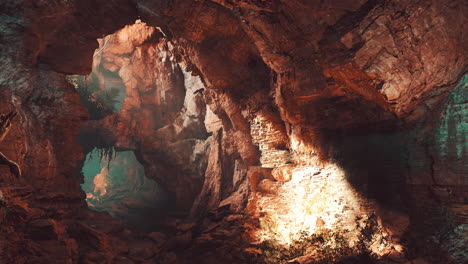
x=318 y=199
x=313 y=199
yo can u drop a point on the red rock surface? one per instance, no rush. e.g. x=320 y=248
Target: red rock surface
x=322 y=114
x=162 y=117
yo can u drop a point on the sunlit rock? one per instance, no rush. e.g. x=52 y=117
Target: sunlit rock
x=278 y=131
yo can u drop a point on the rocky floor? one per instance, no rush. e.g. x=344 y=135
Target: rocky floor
x=42 y=229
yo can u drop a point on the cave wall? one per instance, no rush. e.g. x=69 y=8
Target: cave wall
x=362 y=91
x=37 y=206
x=50 y=113
x=355 y=79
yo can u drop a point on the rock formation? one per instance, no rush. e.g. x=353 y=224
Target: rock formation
x=162 y=118
x=285 y=131
x=5 y=125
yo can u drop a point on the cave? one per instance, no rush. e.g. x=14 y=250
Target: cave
x=250 y=131
x=135 y=84
x=117 y=184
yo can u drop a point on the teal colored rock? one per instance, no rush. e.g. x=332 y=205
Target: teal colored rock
x=451 y=137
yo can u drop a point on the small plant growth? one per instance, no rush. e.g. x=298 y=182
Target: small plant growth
x=329 y=246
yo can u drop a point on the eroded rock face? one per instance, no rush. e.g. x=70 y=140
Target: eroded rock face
x=43 y=137
x=322 y=114
x=163 y=113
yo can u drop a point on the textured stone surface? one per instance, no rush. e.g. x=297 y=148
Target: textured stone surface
x=162 y=116
x=361 y=91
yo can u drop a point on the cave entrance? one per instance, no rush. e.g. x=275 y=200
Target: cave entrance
x=115 y=182
x=141 y=98
x=102 y=92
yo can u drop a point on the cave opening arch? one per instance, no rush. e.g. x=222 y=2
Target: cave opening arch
x=158 y=124
x=116 y=183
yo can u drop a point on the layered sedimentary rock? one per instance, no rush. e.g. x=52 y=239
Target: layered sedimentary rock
x=334 y=124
